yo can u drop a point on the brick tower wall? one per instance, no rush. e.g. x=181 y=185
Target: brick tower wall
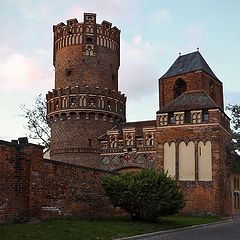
x=85 y=102
x=202 y=197
x=198 y=80
x=86 y=53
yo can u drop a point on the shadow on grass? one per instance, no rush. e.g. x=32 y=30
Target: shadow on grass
x=100 y=229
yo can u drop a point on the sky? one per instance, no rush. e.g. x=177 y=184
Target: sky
x=153 y=33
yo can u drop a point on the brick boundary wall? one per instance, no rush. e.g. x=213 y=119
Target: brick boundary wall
x=73 y=191
x=33 y=188
x=15 y=165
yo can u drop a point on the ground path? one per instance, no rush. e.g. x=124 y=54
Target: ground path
x=229 y=230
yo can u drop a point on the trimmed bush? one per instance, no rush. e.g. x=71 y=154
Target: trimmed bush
x=146 y=195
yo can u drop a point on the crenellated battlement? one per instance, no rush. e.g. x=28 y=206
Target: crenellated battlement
x=86 y=90
x=86 y=99
x=73 y=26
x=89 y=34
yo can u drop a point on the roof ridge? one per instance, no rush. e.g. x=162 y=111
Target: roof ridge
x=210 y=70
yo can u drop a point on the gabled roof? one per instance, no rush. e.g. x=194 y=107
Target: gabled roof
x=194 y=100
x=189 y=63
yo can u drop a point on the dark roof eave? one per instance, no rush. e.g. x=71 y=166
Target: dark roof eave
x=180 y=74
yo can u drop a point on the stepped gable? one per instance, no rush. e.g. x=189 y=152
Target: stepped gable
x=194 y=100
x=189 y=63
x=137 y=125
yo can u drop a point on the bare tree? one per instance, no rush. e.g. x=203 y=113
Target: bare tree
x=235 y=114
x=37 y=125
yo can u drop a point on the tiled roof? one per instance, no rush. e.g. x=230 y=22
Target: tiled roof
x=188 y=63
x=194 y=100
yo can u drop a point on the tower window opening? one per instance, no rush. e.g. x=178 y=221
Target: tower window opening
x=129 y=149
x=179 y=87
x=57 y=104
x=113 y=76
x=72 y=102
x=205 y=115
x=211 y=90
x=187 y=116
x=88 y=47
x=149 y=139
x=171 y=119
x=89 y=40
x=89 y=142
x=211 y=87
x=109 y=104
x=92 y=102
x=113 y=142
x=129 y=140
x=89 y=50
x=68 y=72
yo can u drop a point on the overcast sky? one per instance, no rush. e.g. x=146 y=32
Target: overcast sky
x=152 y=35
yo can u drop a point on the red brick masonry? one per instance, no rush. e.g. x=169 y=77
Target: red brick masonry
x=35 y=188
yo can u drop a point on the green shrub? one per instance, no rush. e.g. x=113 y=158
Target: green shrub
x=146 y=195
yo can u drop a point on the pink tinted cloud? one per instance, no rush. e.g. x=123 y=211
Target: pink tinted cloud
x=138 y=74
x=19 y=72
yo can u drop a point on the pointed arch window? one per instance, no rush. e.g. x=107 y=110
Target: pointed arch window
x=211 y=90
x=180 y=87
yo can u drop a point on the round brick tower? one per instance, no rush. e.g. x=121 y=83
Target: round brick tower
x=85 y=102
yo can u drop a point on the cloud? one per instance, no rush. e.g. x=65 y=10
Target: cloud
x=19 y=72
x=137 y=51
x=3 y=50
x=194 y=36
x=162 y=16
x=138 y=77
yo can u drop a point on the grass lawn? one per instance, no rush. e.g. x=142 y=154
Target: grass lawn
x=104 y=229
